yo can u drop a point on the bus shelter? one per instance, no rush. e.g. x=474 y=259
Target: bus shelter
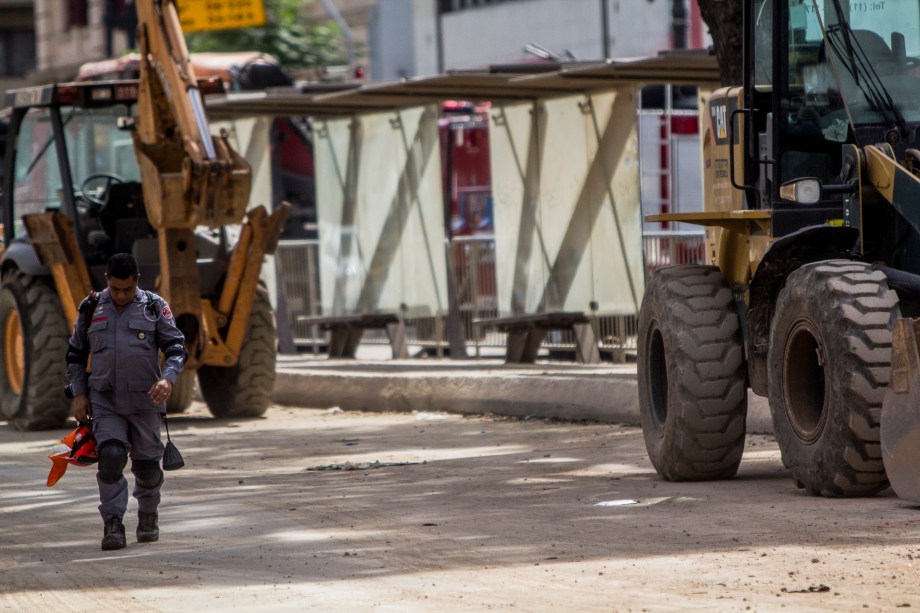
x=565 y=181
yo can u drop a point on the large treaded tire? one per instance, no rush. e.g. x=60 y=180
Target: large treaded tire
x=829 y=362
x=245 y=390
x=182 y=393
x=692 y=379
x=35 y=399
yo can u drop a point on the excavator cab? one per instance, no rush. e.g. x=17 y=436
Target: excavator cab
x=74 y=155
x=78 y=184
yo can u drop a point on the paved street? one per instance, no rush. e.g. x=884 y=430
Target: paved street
x=446 y=513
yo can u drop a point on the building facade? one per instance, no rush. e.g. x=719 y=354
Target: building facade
x=424 y=37
x=70 y=32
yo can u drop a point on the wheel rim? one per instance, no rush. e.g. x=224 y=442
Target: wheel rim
x=13 y=352
x=804 y=381
x=657 y=370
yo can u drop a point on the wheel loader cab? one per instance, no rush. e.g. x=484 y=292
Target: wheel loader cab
x=817 y=79
x=798 y=121
x=823 y=80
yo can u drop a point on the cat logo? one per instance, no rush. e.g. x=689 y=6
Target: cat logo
x=720 y=126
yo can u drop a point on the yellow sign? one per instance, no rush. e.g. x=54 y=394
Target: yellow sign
x=201 y=15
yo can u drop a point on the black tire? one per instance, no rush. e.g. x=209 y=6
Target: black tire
x=181 y=397
x=245 y=390
x=692 y=379
x=33 y=337
x=829 y=361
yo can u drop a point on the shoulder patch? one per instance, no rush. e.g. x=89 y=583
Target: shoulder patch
x=167 y=313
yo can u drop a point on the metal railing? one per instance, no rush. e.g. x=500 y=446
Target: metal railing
x=663 y=248
x=297 y=263
x=472 y=261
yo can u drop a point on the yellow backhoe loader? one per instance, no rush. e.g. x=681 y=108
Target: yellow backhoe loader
x=93 y=169
x=812 y=174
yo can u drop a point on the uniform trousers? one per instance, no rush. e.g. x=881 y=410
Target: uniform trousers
x=140 y=434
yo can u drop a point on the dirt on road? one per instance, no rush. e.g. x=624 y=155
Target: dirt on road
x=312 y=510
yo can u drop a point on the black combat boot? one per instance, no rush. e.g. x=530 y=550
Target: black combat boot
x=147 y=529
x=114 y=535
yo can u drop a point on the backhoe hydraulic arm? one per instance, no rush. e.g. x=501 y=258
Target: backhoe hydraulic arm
x=189 y=177
x=193 y=177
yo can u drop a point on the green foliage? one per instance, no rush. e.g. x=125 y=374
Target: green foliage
x=285 y=35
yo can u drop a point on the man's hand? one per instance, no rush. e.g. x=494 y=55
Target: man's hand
x=81 y=408
x=160 y=391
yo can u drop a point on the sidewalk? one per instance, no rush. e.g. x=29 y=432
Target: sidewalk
x=564 y=390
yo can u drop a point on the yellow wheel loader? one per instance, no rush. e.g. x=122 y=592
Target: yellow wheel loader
x=812 y=174
x=93 y=169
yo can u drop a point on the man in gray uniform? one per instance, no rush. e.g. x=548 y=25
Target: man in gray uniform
x=125 y=329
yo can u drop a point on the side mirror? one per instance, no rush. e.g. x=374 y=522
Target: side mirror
x=802 y=191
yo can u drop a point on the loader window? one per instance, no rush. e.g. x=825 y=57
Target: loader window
x=95 y=144
x=763 y=45
x=815 y=107
x=37 y=176
x=873 y=49
x=813 y=118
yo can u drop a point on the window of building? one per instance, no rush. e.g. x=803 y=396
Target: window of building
x=17 y=52
x=77 y=13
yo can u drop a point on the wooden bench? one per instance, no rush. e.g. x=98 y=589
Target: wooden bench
x=346 y=331
x=526 y=334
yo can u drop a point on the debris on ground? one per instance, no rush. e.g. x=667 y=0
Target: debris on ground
x=813 y=589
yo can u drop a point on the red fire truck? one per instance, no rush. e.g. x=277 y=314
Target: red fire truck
x=464 y=131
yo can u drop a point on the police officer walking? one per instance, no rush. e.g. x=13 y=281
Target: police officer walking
x=125 y=329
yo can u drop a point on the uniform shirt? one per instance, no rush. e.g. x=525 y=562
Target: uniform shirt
x=125 y=350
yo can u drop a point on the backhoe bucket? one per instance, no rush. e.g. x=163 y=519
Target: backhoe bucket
x=900 y=420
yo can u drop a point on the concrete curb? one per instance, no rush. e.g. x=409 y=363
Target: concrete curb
x=595 y=398
x=605 y=394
